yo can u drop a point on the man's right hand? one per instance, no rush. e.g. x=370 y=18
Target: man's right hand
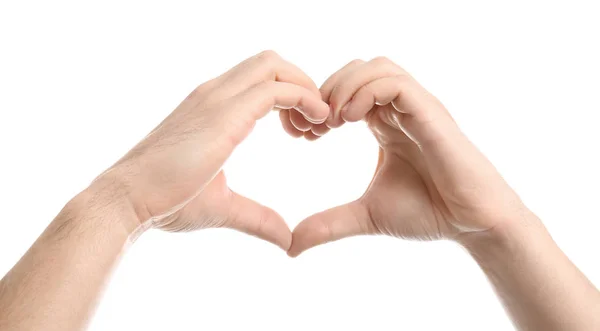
x=431 y=182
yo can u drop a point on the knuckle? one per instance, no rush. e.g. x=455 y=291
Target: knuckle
x=382 y=60
x=207 y=86
x=266 y=64
x=324 y=231
x=195 y=94
x=267 y=56
x=200 y=90
x=263 y=218
x=355 y=62
x=389 y=65
x=401 y=80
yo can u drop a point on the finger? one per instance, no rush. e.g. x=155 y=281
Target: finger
x=333 y=80
x=362 y=75
x=284 y=116
x=261 y=98
x=378 y=92
x=340 y=222
x=255 y=219
x=320 y=129
x=335 y=121
x=428 y=116
x=265 y=66
x=299 y=121
x=309 y=135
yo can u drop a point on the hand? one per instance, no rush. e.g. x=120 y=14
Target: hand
x=173 y=177
x=430 y=183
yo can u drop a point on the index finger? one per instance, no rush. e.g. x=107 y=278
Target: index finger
x=328 y=87
x=263 y=97
x=265 y=66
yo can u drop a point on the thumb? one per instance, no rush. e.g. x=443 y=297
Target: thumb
x=336 y=223
x=250 y=217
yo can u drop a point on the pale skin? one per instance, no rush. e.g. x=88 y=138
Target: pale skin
x=430 y=183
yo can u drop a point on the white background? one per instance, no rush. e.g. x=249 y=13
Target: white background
x=82 y=82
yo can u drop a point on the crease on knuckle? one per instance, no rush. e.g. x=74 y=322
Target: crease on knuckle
x=263 y=219
x=325 y=231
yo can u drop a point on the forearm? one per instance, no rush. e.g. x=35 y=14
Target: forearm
x=56 y=284
x=539 y=286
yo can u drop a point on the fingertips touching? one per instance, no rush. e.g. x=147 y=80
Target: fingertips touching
x=320 y=129
x=334 y=120
x=286 y=123
x=334 y=79
x=309 y=135
x=341 y=98
x=328 y=87
x=317 y=113
x=298 y=120
x=378 y=92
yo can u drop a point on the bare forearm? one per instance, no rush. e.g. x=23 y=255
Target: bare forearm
x=539 y=286
x=56 y=284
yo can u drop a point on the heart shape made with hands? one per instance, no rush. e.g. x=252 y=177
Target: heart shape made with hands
x=430 y=181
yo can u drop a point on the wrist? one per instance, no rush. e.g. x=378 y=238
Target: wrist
x=507 y=236
x=105 y=204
